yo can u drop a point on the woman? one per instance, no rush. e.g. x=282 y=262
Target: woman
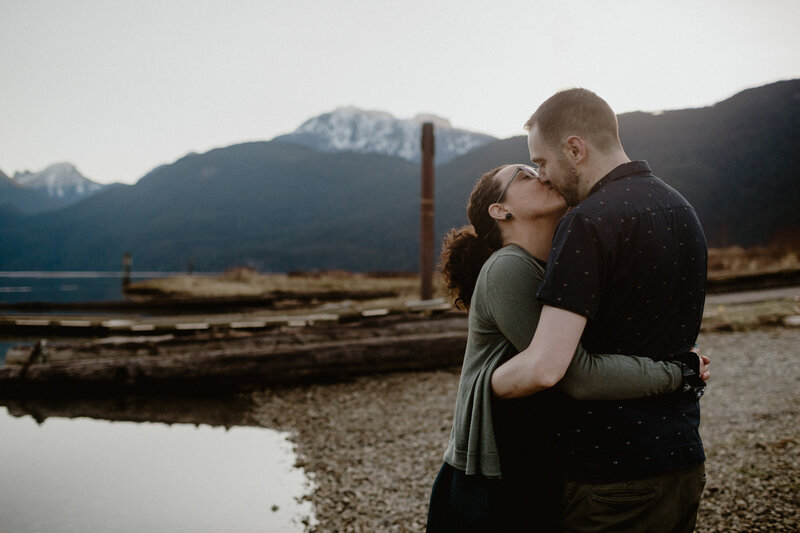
x=501 y=472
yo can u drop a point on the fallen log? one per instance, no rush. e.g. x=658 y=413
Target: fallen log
x=221 y=369
x=737 y=282
x=203 y=364
x=160 y=303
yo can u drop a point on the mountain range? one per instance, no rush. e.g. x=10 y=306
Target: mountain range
x=57 y=186
x=293 y=204
x=346 y=129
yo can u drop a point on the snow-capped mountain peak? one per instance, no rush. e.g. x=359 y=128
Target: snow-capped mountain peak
x=60 y=180
x=438 y=122
x=357 y=130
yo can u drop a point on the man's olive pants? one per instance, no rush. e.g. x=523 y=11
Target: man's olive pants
x=665 y=503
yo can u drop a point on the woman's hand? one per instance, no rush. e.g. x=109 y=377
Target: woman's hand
x=705 y=362
x=695 y=374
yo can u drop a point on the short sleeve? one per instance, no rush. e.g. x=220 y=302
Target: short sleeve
x=575 y=267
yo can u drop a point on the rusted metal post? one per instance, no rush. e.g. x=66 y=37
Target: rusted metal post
x=426 y=213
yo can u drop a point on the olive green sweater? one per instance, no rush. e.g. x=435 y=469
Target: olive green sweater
x=503 y=316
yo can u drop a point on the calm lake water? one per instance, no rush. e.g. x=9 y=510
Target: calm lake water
x=18 y=287
x=62 y=287
x=90 y=476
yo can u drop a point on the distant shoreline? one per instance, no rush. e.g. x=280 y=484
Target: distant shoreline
x=66 y=274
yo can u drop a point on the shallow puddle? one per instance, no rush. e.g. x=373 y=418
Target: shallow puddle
x=87 y=475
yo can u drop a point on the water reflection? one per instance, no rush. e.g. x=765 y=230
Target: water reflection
x=87 y=475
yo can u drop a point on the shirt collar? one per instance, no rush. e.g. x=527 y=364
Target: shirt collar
x=625 y=170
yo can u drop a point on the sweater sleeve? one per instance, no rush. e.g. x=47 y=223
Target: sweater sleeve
x=617 y=376
x=512 y=283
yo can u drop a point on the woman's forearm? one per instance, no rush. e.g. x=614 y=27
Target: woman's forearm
x=618 y=377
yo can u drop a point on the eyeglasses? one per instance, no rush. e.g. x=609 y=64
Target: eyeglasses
x=528 y=171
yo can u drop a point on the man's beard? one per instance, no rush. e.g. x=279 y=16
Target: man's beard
x=569 y=187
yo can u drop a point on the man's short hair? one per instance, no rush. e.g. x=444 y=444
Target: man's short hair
x=576 y=112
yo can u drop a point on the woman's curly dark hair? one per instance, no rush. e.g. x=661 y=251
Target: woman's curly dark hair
x=466 y=249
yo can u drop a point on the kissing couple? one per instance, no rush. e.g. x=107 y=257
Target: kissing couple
x=578 y=403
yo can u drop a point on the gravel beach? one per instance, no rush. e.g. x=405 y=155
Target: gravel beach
x=373 y=445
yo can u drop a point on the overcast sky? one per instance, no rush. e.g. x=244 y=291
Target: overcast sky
x=119 y=87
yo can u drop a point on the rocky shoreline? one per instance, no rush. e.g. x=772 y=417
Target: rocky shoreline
x=373 y=445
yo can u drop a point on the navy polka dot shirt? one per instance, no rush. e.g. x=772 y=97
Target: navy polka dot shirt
x=632 y=259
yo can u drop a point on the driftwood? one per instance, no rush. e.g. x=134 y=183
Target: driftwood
x=182 y=324
x=144 y=301
x=721 y=283
x=285 y=355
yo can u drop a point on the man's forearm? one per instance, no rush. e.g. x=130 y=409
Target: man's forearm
x=545 y=361
x=521 y=376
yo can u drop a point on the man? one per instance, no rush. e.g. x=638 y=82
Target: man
x=626 y=274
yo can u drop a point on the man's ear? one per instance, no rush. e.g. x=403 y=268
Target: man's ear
x=497 y=212
x=575 y=148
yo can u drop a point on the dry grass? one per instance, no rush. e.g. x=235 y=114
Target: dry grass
x=242 y=282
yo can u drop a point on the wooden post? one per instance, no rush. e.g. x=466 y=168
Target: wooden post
x=426 y=213
x=126 y=270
